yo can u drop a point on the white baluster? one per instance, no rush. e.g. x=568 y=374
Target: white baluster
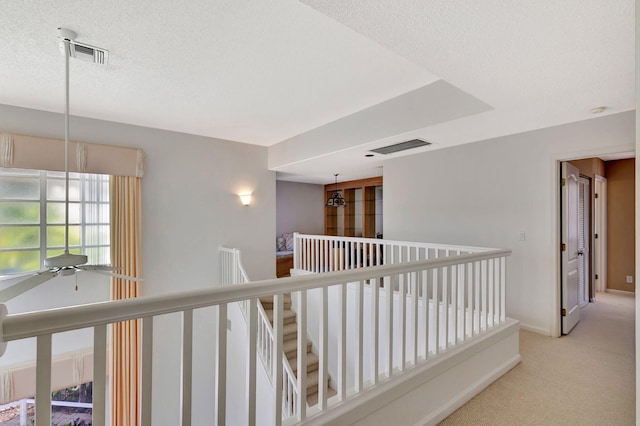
x=187 y=365
x=490 y=283
x=276 y=357
x=503 y=288
x=359 y=357
x=375 y=322
x=403 y=318
x=252 y=321
x=453 y=279
x=146 y=372
x=323 y=352
x=43 y=380
x=302 y=356
x=342 y=343
x=389 y=290
x=414 y=313
x=436 y=306
x=221 y=367
x=446 y=279
x=98 y=411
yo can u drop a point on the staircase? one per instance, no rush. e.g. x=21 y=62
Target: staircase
x=290 y=347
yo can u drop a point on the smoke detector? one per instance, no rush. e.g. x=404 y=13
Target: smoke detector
x=81 y=51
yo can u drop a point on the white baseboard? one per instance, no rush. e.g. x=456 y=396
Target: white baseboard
x=621 y=292
x=534 y=329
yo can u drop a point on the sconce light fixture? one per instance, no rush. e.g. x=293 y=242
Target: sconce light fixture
x=245 y=198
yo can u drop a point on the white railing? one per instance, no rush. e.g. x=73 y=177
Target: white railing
x=462 y=297
x=326 y=253
x=232 y=272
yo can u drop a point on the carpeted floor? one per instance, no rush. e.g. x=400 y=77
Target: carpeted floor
x=585 y=378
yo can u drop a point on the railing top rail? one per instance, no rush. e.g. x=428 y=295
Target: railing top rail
x=20 y=326
x=396 y=243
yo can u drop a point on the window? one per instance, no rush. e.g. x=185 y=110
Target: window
x=32 y=218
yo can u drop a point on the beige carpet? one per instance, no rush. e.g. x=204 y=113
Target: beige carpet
x=585 y=378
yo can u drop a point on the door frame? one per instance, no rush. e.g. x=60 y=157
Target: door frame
x=600 y=246
x=556 y=237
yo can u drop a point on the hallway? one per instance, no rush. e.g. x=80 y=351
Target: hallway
x=585 y=378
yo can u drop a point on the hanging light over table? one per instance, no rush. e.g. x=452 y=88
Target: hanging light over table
x=336 y=199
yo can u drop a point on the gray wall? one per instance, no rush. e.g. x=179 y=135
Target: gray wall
x=190 y=208
x=485 y=193
x=299 y=208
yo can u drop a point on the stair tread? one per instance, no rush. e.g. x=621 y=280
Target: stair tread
x=292 y=345
x=312 y=362
x=288 y=315
x=269 y=299
x=312 y=399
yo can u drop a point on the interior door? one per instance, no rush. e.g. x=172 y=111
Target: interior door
x=584 y=238
x=570 y=261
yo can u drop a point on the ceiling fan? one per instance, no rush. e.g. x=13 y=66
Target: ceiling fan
x=67 y=263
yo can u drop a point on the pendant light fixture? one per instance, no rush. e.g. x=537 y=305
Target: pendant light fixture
x=336 y=199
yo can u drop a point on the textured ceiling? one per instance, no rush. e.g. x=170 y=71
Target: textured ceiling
x=250 y=71
x=289 y=72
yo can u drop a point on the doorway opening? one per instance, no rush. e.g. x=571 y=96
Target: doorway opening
x=597 y=232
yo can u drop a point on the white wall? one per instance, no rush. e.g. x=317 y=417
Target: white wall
x=190 y=208
x=299 y=208
x=483 y=194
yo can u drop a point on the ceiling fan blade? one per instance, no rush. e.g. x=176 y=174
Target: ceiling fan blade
x=25 y=285
x=113 y=274
x=98 y=268
x=7 y=277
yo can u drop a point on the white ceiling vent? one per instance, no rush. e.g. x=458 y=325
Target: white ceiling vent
x=82 y=51
x=402 y=146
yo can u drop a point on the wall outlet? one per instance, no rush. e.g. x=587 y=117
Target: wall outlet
x=629 y=279
x=522 y=236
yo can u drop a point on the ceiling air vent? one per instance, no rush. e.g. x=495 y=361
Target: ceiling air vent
x=402 y=146
x=88 y=53
x=83 y=51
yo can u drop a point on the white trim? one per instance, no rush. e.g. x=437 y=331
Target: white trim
x=535 y=329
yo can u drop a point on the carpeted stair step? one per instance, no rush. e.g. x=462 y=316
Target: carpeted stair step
x=312 y=388
x=312 y=398
x=267 y=302
x=290 y=348
x=290 y=332
x=288 y=316
x=312 y=363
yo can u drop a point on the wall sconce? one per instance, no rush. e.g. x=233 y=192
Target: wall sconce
x=245 y=198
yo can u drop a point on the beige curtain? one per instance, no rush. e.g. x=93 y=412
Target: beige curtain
x=126 y=240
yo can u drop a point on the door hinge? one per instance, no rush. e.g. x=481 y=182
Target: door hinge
x=596 y=236
x=596 y=276
x=564 y=312
x=596 y=195
x=563 y=247
x=564 y=181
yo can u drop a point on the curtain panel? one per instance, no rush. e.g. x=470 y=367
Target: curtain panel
x=126 y=242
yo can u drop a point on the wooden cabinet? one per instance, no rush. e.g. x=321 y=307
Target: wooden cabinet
x=358 y=218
